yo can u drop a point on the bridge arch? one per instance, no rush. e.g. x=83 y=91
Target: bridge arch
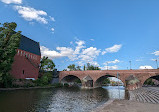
x=98 y=82
x=153 y=76
x=70 y=79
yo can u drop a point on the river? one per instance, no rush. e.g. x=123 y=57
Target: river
x=58 y=99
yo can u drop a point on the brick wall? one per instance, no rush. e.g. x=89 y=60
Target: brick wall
x=25 y=65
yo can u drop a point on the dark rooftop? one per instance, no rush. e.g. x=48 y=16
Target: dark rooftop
x=29 y=45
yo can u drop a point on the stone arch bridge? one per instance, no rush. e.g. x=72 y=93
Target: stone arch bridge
x=93 y=78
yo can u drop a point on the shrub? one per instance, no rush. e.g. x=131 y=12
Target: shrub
x=66 y=85
x=57 y=85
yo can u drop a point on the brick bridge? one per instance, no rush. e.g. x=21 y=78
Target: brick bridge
x=93 y=78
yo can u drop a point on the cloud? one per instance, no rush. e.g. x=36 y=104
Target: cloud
x=112 y=49
x=49 y=53
x=30 y=14
x=81 y=54
x=52 y=29
x=62 y=52
x=52 y=18
x=115 y=61
x=92 y=39
x=12 y=1
x=88 y=55
x=146 y=67
x=109 y=67
x=156 y=53
x=80 y=45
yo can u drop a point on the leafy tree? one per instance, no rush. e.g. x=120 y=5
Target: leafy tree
x=9 y=42
x=106 y=81
x=91 y=67
x=84 y=67
x=78 y=68
x=46 y=64
x=64 y=69
x=72 y=67
x=149 y=82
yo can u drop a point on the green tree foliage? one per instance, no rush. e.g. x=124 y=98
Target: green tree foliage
x=91 y=67
x=46 y=64
x=106 y=81
x=78 y=68
x=149 y=82
x=9 y=42
x=45 y=79
x=84 y=67
x=73 y=67
x=64 y=69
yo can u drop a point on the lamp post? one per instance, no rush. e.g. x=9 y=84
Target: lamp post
x=130 y=64
x=118 y=84
x=156 y=63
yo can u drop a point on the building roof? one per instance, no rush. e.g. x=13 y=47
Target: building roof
x=29 y=45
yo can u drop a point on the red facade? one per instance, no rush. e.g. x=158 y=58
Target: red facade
x=25 y=65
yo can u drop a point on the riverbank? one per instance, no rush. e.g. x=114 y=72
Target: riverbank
x=22 y=88
x=127 y=106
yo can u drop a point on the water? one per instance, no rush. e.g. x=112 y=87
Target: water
x=57 y=99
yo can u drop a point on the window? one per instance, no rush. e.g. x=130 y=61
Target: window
x=23 y=71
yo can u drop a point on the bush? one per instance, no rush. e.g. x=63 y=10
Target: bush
x=7 y=81
x=44 y=80
x=58 y=85
x=66 y=85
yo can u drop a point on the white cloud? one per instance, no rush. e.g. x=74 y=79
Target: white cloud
x=12 y=1
x=81 y=55
x=146 y=67
x=156 y=53
x=63 y=52
x=112 y=49
x=92 y=39
x=80 y=45
x=115 y=61
x=52 y=18
x=109 y=67
x=52 y=29
x=153 y=59
x=50 y=53
x=30 y=14
x=88 y=55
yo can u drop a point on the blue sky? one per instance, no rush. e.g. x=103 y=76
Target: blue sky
x=94 y=31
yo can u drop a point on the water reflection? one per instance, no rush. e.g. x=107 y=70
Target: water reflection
x=115 y=92
x=55 y=100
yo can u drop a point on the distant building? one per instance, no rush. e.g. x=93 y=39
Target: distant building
x=27 y=60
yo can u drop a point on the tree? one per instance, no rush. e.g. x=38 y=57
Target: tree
x=91 y=67
x=64 y=69
x=78 y=68
x=46 y=64
x=84 y=67
x=72 y=67
x=9 y=42
x=106 y=81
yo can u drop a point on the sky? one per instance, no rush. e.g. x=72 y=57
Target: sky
x=104 y=33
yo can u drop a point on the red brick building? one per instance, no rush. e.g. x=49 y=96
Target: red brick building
x=27 y=60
